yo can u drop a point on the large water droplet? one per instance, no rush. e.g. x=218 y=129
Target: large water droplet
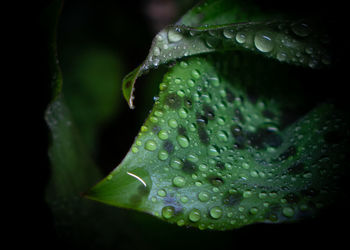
x=194 y=215
x=227 y=33
x=174 y=36
x=163 y=155
x=172 y=123
x=168 y=212
x=179 y=181
x=150 y=145
x=183 y=141
x=203 y=196
x=215 y=212
x=241 y=37
x=163 y=135
x=263 y=41
x=288 y=211
x=195 y=73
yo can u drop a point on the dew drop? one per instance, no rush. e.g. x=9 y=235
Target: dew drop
x=174 y=35
x=203 y=196
x=172 y=123
x=263 y=41
x=215 y=212
x=176 y=163
x=163 y=135
x=241 y=37
x=163 y=155
x=168 y=212
x=183 y=141
x=288 y=211
x=212 y=151
x=222 y=136
x=182 y=113
x=179 y=181
x=180 y=222
x=150 y=145
x=156 y=51
x=161 y=193
x=281 y=56
x=195 y=73
x=227 y=33
x=194 y=215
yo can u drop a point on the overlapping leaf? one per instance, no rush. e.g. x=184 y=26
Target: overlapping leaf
x=215 y=156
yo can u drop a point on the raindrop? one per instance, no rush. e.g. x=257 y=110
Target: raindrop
x=183 y=141
x=163 y=135
x=215 y=212
x=179 y=181
x=168 y=212
x=172 y=123
x=176 y=163
x=150 y=145
x=195 y=73
x=227 y=33
x=194 y=215
x=263 y=41
x=288 y=211
x=203 y=196
x=156 y=51
x=241 y=37
x=163 y=155
x=212 y=151
x=161 y=193
x=174 y=35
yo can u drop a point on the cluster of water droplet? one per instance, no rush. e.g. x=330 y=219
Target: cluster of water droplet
x=217 y=164
x=291 y=42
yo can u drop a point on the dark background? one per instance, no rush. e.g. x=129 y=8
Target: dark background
x=125 y=29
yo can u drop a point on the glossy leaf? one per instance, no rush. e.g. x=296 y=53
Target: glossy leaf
x=209 y=157
x=233 y=138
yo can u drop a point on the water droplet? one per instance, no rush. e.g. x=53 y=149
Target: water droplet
x=182 y=113
x=203 y=167
x=212 y=151
x=176 y=163
x=192 y=157
x=183 y=141
x=172 y=123
x=183 y=64
x=241 y=37
x=163 y=155
x=163 y=135
x=180 y=93
x=247 y=194
x=222 y=136
x=194 y=215
x=253 y=210
x=179 y=181
x=245 y=165
x=156 y=51
x=168 y=212
x=288 y=211
x=150 y=145
x=215 y=212
x=195 y=73
x=281 y=56
x=263 y=41
x=190 y=83
x=228 y=33
x=180 y=222
x=174 y=35
x=301 y=29
x=161 y=193
x=134 y=149
x=203 y=196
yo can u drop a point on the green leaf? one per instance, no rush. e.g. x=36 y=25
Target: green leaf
x=299 y=42
x=234 y=138
x=209 y=157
